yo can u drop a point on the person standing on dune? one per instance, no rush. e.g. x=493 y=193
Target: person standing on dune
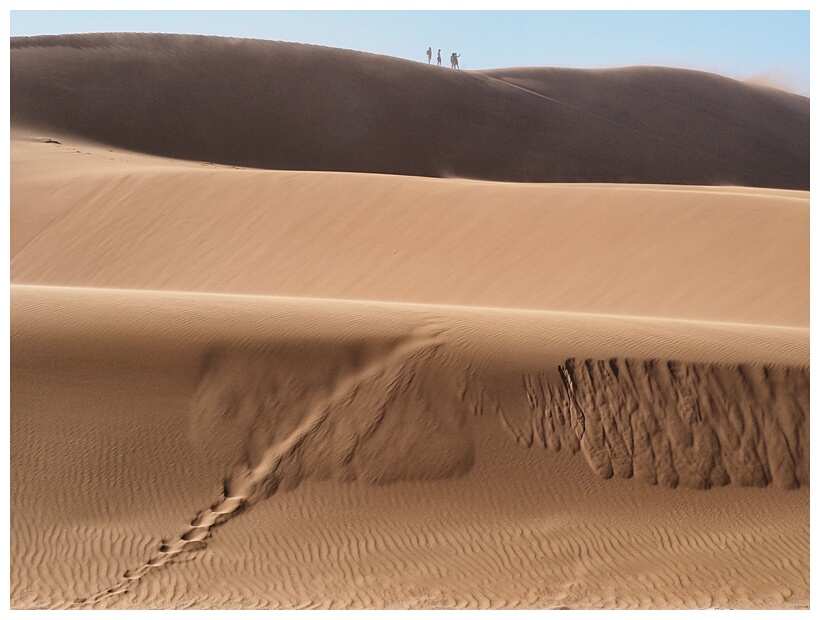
x=454 y=60
x=429 y=54
x=438 y=58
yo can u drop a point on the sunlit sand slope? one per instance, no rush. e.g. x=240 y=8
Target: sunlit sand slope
x=84 y=216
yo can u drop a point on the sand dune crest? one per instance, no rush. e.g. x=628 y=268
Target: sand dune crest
x=268 y=104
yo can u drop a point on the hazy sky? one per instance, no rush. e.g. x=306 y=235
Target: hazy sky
x=768 y=45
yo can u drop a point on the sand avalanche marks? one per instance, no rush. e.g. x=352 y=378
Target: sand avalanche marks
x=675 y=423
x=258 y=482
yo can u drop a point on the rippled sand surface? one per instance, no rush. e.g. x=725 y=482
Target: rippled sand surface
x=258 y=374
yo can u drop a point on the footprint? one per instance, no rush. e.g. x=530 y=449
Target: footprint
x=240 y=489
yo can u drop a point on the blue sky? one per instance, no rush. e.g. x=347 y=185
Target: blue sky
x=768 y=45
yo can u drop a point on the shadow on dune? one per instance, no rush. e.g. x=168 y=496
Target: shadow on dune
x=278 y=105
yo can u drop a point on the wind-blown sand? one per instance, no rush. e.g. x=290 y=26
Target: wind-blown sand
x=316 y=386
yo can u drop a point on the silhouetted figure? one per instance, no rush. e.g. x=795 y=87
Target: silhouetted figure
x=429 y=54
x=454 y=60
x=438 y=58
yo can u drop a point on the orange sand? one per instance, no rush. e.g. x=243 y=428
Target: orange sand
x=321 y=387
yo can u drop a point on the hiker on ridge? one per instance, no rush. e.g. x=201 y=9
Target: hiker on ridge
x=438 y=58
x=429 y=54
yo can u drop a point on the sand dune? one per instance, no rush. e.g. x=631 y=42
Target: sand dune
x=725 y=254
x=318 y=387
x=280 y=105
x=239 y=399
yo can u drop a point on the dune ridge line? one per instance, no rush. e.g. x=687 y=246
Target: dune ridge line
x=354 y=107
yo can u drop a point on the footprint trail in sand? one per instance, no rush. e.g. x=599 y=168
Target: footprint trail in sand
x=261 y=481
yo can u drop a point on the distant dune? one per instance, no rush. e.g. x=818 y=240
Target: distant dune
x=317 y=387
x=281 y=105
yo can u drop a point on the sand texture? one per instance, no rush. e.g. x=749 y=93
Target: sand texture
x=247 y=371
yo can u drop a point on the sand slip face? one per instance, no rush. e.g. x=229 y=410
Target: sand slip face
x=237 y=388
